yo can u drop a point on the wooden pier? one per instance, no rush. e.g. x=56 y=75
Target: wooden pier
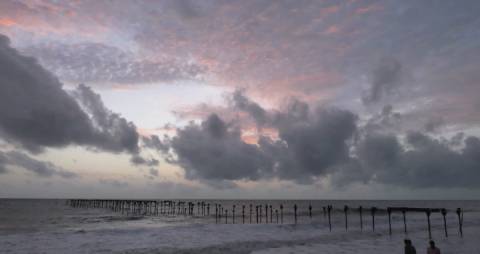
x=263 y=213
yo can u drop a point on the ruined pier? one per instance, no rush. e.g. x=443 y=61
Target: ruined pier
x=264 y=213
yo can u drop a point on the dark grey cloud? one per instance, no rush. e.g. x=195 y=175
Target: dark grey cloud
x=385 y=77
x=310 y=142
x=32 y=97
x=241 y=102
x=39 y=168
x=155 y=143
x=433 y=123
x=314 y=140
x=139 y=160
x=320 y=142
x=388 y=120
x=35 y=112
x=214 y=150
x=97 y=63
x=115 y=133
x=423 y=162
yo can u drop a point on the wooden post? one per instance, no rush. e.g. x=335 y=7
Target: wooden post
x=310 y=211
x=260 y=209
x=226 y=216
x=281 y=213
x=444 y=213
x=404 y=213
x=345 y=209
x=460 y=221
x=276 y=213
x=243 y=214
x=428 y=220
x=374 y=209
x=361 y=218
x=233 y=214
x=216 y=213
x=271 y=214
x=256 y=212
x=251 y=210
x=295 y=212
x=329 y=210
x=389 y=211
x=266 y=214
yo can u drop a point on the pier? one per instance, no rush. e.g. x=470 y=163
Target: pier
x=265 y=213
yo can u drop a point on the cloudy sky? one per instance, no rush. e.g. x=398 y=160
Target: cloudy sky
x=240 y=99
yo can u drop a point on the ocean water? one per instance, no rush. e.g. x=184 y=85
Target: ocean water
x=52 y=226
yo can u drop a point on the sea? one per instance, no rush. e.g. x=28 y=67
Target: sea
x=53 y=226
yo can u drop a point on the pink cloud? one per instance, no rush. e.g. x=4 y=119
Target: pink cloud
x=7 y=22
x=329 y=10
x=368 y=9
x=333 y=29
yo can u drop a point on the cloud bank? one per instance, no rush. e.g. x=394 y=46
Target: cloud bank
x=39 y=168
x=36 y=112
x=317 y=143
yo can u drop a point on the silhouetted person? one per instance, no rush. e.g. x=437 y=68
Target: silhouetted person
x=432 y=249
x=409 y=249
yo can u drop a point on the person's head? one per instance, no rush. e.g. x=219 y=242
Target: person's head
x=408 y=242
x=432 y=244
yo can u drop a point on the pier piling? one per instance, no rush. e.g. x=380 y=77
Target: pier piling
x=361 y=218
x=345 y=209
x=172 y=208
x=444 y=213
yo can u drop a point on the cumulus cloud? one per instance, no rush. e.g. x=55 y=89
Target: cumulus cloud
x=241 y=102
x=387 y=121
x=422 y=162
x=39 y=168
x=155 y=143
x=384 y=79
x=310 y=142
x=35 y=112
x=32 y=97
x=214 y=150
x=314 y=140
x=314 y=143
x=115 y=133
x=139 y=160
x=433 y=123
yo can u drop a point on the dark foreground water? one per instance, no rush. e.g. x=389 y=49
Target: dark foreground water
x=51 y=226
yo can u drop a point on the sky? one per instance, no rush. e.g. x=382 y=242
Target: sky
x=351 y=99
